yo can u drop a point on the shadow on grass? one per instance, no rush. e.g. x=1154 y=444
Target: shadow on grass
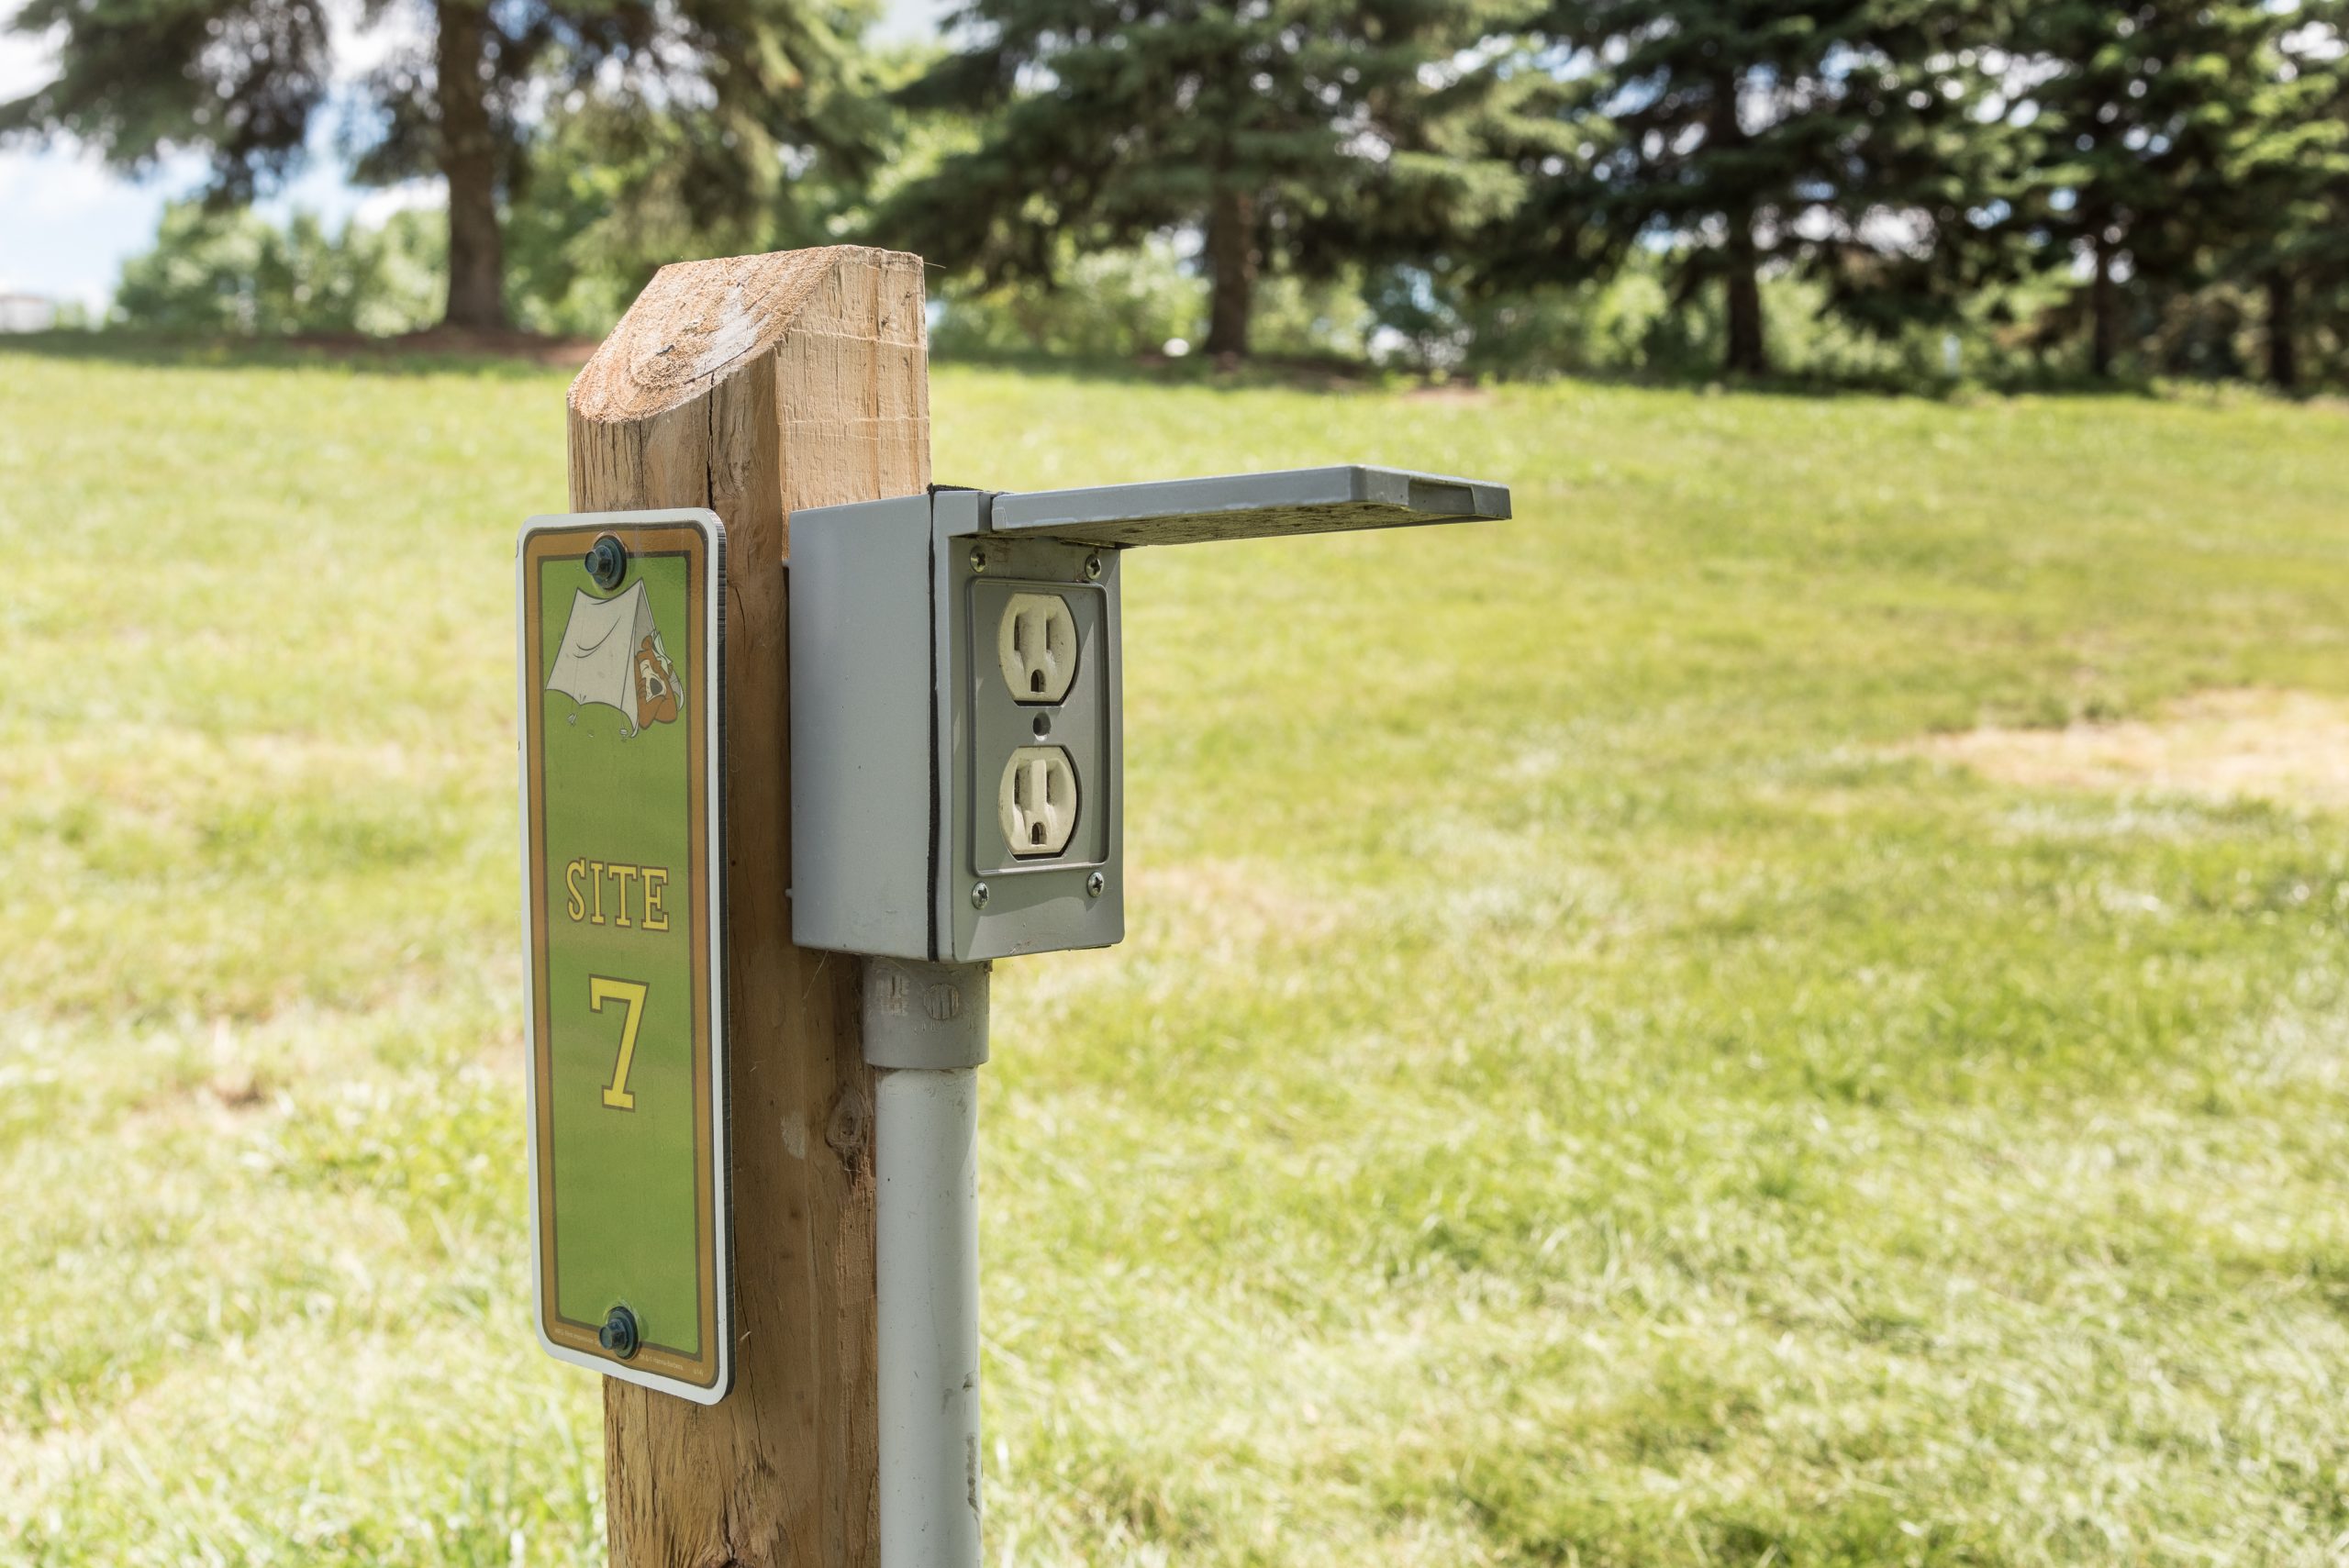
x=1340 y=375
x=1284 y=372
x=527 y=354
x=521 y=355
x=517 y=354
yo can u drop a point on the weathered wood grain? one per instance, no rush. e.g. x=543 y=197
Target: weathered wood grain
x=755 y=385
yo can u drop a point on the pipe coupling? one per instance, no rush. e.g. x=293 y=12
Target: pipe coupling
x=925 y=1014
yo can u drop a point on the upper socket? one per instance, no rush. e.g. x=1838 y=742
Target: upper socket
x=1036 y=644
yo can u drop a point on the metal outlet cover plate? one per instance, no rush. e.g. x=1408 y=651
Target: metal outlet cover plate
x=1042 y=904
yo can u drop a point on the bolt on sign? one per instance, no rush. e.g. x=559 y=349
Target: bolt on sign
x=621 y=654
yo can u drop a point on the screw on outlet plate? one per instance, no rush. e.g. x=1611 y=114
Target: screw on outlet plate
x=607 y=562
x=1096 y=885
x=978 y=558
x=979 y=896
x=1092 y=568
x=619 y=1333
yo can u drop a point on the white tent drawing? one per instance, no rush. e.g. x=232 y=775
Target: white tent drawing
x=597 y=660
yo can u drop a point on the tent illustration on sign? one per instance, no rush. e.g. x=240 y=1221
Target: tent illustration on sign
x=612 y=654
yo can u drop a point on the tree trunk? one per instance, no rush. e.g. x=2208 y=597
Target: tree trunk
x=469 y=161
x=2283 y=352
x=1748 y=354
x=1231 y=263
x=2104 y=312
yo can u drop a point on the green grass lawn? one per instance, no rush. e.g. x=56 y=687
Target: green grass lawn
x=1578 y=1089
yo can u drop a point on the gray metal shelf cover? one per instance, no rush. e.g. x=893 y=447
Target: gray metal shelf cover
x=1249 y=506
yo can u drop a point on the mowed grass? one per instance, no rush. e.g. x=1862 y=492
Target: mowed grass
x=1580 y=1088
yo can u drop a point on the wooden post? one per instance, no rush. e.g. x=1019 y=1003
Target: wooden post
x=756 y=385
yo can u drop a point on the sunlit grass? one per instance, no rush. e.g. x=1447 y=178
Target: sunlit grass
x=1581 y=1086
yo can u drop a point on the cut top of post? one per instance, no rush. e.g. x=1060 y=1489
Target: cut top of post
x=1248 y=505
x=697 y=322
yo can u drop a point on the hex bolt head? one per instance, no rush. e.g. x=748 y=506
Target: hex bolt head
x=1096 y=885
x=1092 y=568
x=607 y=562
x=619 y=1333
x=979 y=896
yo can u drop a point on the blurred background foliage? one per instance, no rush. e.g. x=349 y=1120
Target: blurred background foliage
x=231 y=271
x=1871 y=192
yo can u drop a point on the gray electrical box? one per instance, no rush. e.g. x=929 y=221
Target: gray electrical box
x=957 y=756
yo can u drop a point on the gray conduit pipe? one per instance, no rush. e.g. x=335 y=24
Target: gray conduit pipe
x=925 y=1030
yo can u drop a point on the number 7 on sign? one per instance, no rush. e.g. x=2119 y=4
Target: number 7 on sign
x=630 y=994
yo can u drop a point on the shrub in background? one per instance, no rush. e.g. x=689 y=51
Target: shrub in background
x=1307 y=318
x=236 y=272
x=1624 y=324
x=1109 y=305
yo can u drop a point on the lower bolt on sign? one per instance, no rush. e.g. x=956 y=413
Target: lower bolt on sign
x=623 y=661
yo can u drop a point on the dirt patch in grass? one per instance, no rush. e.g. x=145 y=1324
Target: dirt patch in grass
x=1466 y=393
x=2289 y=748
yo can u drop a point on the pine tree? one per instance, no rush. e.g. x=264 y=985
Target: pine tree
x=2159 y=137
x=1844 y=140
x=245 y=80
x=1299 y=135
x=2278 y=190
x=2318 y=259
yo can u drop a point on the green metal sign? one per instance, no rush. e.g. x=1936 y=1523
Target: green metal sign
x=621 y=656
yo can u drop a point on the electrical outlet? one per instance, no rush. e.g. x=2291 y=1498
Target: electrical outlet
x=1036 y=801
x=1035 y=642
x=1034 y=816
x=957 y=711
x=923 y=825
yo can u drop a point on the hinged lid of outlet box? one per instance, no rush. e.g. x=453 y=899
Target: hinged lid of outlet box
x=1248 y=505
